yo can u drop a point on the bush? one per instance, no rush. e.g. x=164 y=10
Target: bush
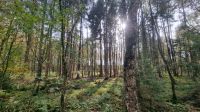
x=5 y=82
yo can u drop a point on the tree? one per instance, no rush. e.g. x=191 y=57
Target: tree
x=40 y=57
x=130 y=74
x=95 y=18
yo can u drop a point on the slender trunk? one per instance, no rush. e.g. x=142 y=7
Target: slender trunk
x=8 y=34
x=106 y=70
x=28 y=47
x=88 y=56
x=114 y=62
x=106 y=58
x=95 y=55
x=185 y=25
x=5 y=63
x=101 y=58
x=154 y=49
x=174 y=98
x=110 y=56
x=79 y=52
x=40 y=57
x=92 y=60
x=63 y=59
x=8 y=56
x=48 y=61
x=49 y=45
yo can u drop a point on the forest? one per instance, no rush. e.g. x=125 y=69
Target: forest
x=99 y=55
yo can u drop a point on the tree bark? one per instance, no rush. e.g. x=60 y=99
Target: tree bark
x=130 y=73
x=106 y=70
x=101 y=58
x=40 y=58
x=63 y=59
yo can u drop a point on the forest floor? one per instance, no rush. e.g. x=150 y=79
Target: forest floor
x=81 y=96
x=97 y=95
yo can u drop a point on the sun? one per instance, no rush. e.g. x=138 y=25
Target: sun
x=123 y=25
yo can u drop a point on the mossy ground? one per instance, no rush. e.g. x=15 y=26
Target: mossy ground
x=97 y=95
x=81 y=96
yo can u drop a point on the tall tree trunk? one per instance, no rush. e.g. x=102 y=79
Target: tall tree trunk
x=63 y=58
x=40 y=58
x=79 y=52
x=8 y=34
x=95 y=56
x=154 y=49
x=88 y=55
x=130 y=73
x=101 y=58
x=110 y=55
x=48 y=61
x=92 y=60
x=167 y=65
x=8 y=55
x=49 y=45
x=28 y=47
x=106 y=70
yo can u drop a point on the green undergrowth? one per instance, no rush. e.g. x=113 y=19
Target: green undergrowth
x=81 y=95
x=157 y=97
x=98 y=95
x=103 y=96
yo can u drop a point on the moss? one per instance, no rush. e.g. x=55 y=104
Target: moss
x=99 y=95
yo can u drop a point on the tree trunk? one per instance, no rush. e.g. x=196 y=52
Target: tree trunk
x=79 y=52
x=40 y=58
x=101 y=58
x=106 y=70
x=28 y=47
x=63 y=59
x=174 y=98
x=130 y=73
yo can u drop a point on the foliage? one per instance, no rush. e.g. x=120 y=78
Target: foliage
x=5 y=81
x=32 y=31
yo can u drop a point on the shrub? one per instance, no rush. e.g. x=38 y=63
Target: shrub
x=5 y=82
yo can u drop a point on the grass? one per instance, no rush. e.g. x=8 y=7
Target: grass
x=161 y=100
x=96 y=96
x=82 y=95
